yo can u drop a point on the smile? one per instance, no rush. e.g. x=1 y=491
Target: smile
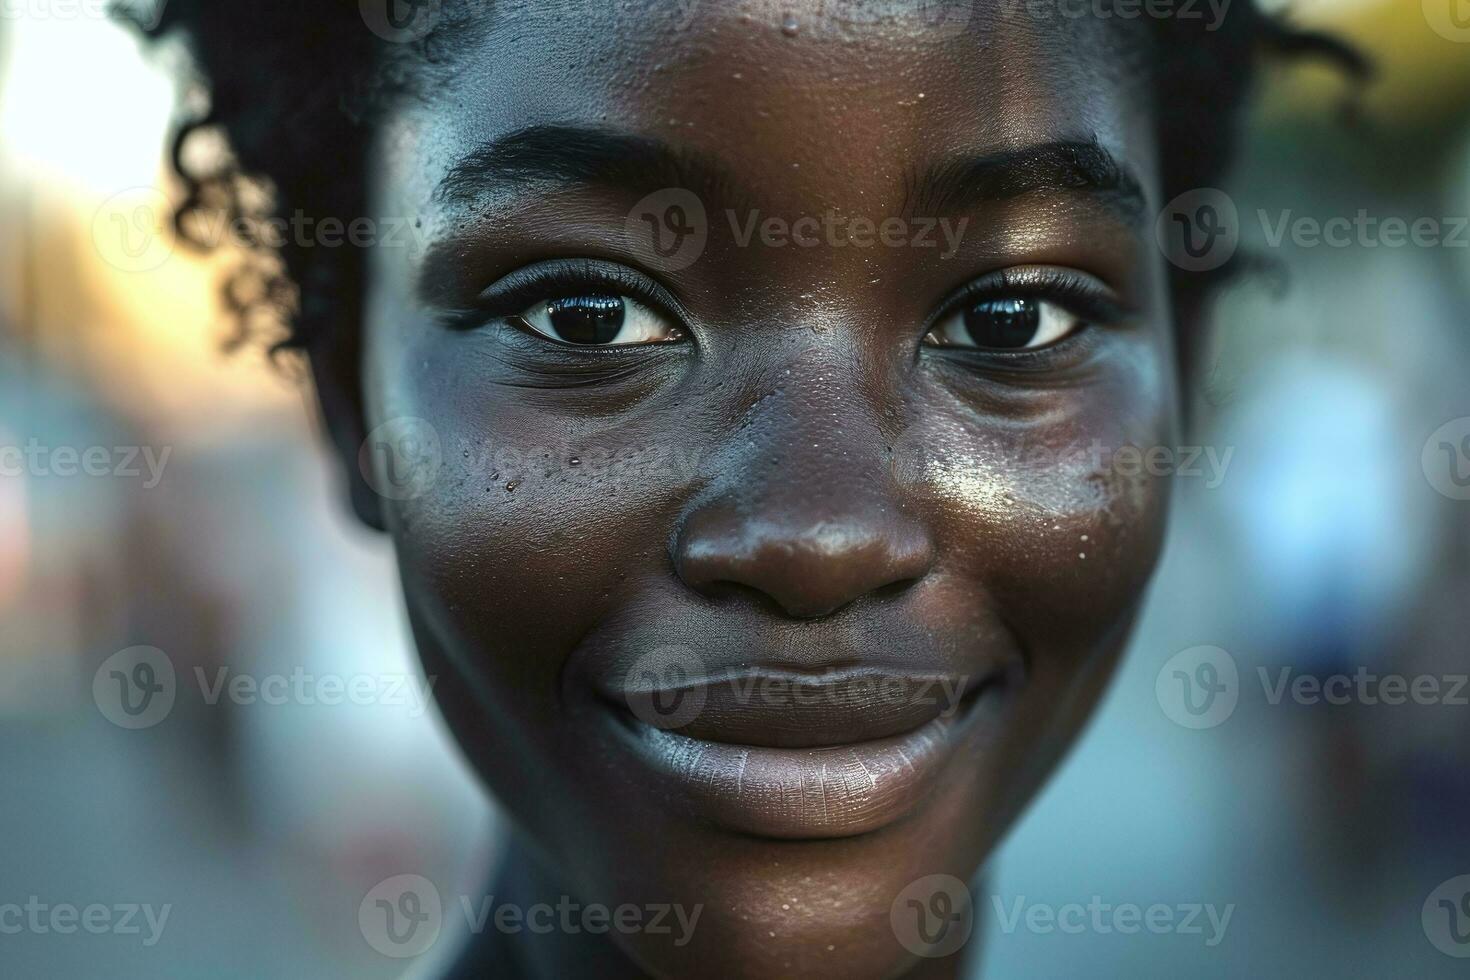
x=804 y=757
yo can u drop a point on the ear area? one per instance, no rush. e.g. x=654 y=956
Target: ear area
x=336 y=371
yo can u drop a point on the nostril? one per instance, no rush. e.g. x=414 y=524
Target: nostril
x=895 y=588
x=727 y=590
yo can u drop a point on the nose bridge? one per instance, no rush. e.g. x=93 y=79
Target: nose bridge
x=825 y=451
x=805 y=509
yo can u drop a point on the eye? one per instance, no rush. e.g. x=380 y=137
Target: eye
x=598 y=320
x=1005 y=323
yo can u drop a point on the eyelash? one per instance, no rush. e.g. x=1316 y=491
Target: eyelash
x=1079 y=293
x=563 y=277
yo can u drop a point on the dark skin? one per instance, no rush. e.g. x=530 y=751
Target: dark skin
x=858 y=497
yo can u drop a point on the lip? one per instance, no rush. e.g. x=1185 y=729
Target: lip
x=799 y=709
x=850 y=782
x=895 y=705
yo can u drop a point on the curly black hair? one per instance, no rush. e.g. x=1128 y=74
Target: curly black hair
x=294 y=86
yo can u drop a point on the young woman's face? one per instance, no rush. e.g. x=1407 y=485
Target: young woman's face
x=778 y=549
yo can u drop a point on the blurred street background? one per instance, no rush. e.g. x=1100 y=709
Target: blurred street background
x=1334 y=542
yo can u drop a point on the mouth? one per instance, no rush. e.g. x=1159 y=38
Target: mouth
x=801 y=757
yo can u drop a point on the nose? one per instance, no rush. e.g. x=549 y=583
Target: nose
x=811 y=560
x=805 y=510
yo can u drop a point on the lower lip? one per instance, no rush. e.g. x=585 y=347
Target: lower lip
x=802 y=794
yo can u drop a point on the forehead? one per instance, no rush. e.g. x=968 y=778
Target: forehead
x=802 y=99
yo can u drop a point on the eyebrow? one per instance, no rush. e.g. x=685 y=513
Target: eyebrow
x=586 y=156
x=589 y=156
x=1055 y=167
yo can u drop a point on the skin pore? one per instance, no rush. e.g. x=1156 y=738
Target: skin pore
x=849 y=487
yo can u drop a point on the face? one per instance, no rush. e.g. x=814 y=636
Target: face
x=778 y=361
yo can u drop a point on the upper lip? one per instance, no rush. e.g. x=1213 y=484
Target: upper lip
x=763 y=684
x=785 y=708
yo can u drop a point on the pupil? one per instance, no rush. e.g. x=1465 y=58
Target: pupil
x=1003 y=322
x=587 y=319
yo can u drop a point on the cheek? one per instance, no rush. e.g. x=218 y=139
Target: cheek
x=1057 y=509
x=537 y=522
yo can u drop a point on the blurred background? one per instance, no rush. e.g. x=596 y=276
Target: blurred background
x=197 y=515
